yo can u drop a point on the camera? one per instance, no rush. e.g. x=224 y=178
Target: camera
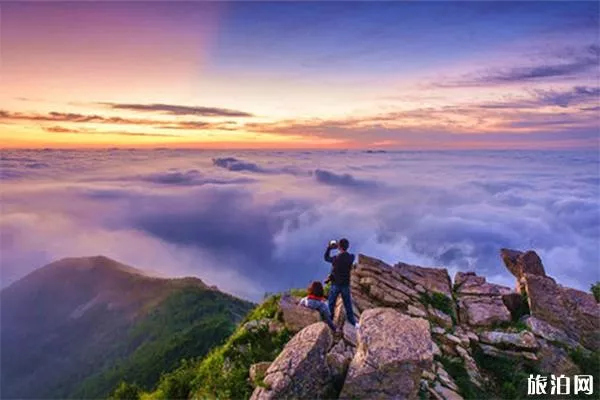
x=333 y=244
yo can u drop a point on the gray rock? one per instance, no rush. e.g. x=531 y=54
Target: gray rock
x=416 y=312
x=548 y=332
x=393 y=350
x=509 y=354
x=446 y=393
x=506 y=340
x=301 y=369
x=468 y=283
x=257 y=371
x=573 y=311
x=440 y=318
x=519 y=263
x=556 y=360
x=297 y=317
x=481 y=311
x=432 y=279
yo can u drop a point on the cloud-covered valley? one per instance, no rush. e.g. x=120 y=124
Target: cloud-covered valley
x=252 y=222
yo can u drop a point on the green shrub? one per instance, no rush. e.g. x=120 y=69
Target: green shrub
x=589 y=363
x=267 y=309
x=126 y=391
x=596 y=291
x=439 y=301
x=509 y=376
x=223 y=373
x=456 y=368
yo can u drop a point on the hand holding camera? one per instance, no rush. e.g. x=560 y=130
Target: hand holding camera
x=333 y=244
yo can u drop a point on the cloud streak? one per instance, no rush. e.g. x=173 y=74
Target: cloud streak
x=172 y=109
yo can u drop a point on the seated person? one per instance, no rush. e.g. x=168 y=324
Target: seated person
x=316 y=301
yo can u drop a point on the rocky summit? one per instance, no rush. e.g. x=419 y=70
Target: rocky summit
x=423 y=335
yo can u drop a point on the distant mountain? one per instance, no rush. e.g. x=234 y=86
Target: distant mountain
x=78 y=326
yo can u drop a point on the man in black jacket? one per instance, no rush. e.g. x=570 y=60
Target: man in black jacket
x=340 y=277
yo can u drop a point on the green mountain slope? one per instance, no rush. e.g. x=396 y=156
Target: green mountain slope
x=77 y=327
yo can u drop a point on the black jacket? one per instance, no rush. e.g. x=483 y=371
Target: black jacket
x=341 y=267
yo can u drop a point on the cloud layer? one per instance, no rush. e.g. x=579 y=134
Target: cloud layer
x=252 y=222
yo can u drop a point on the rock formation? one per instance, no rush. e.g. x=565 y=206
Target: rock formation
x=418 y=331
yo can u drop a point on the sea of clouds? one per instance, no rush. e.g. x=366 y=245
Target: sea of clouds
x=256 y=222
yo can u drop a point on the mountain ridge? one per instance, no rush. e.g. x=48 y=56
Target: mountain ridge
x=68 y=321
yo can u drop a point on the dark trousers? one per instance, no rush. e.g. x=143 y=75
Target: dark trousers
x=334 y=292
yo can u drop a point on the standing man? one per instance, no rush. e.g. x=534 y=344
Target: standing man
x=340 y=277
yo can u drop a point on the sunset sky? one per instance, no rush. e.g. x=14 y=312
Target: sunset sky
x=403 y=75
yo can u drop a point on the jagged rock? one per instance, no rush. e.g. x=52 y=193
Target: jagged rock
x=556 y=360
x=301 y=369
x=433 y=279
x=482 y=310
x=471 y=367
x=509 y=354
x=256 y=324
x=349 y=334
x=338 y=360
x=257 y=371
x=435 y=349
x=548 y=332
x=519 y=263
x=468 y=283
x=436 y=330
x=430 y=376
x=446 y=393
x=570 y=310
x=445 y=378
x=440 y=317
x=522 y=340
x=392 y=352
x=416 y=312
x=297 y=317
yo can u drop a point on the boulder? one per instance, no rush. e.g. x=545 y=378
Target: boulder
x=301 y=369
x=508 y=354
x=481 y=311
x=519 y=263
x=440 y=317
x=446 y=393
x=555 y=360
x=297 y=317
x=257 y=371
x=507 y=340
x=549 y=332
x=570 y=310
x=432 y=279
x=468 y=283
x=393 y=350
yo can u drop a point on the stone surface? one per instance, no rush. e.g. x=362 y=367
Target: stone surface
x=440 y=317
x=573 y=311
x=556 y=360
x=301 y=369
x=338 y=360
x=519 y=263
x=393 y=351
x=432 y=279
x=481 y=311
x=415 y=312
x=509 y=354
x=468 y=283
x=548 y=332
x=446 y=393
x=297 y=317
x=257 y=371
x=522 y=340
